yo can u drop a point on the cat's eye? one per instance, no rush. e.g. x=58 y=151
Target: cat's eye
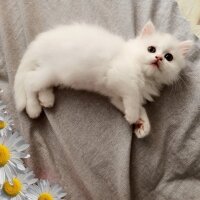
x=151 y=49
x=168 y=56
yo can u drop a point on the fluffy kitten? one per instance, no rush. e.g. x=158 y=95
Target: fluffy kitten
x=86 y=57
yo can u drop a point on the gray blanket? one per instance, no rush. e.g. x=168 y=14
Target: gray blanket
x=84 y=143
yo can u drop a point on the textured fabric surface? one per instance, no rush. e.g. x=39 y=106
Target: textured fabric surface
x=84 y=143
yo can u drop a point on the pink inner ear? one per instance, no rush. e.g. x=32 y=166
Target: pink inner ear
x=148 y=29
x=185 y=46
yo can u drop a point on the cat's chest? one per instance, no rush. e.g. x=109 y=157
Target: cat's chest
x=148 y=89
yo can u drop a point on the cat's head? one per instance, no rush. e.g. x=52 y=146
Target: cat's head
x=161 y=54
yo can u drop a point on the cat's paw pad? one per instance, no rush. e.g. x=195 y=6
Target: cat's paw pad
x=34 y=110
x=141 y=129
x=46 y=99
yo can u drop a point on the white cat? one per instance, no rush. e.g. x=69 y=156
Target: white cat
x=87 y=57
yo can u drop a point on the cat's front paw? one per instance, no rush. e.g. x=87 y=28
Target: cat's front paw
x=142 y=128
x=46 y=98
x=33 y=110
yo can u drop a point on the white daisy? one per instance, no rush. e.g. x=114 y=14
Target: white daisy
x=17 y=187
x=43 y=190
x=6 y=123
x=12 y=149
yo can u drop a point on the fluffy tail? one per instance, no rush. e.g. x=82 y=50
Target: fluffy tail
x=19 y=84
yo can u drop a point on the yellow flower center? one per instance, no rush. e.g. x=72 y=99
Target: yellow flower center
x=45 y=196
x=4 y=155
x=2 y=124
x=14 y=189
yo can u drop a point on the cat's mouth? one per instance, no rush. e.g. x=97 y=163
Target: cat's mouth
x=156 y=64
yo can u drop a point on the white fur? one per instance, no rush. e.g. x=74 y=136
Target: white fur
x=87 y=57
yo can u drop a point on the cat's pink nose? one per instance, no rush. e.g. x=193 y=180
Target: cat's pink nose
x=159 y=58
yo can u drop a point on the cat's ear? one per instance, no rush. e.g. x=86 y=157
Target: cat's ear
x=185 y=46
x=148 y=29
